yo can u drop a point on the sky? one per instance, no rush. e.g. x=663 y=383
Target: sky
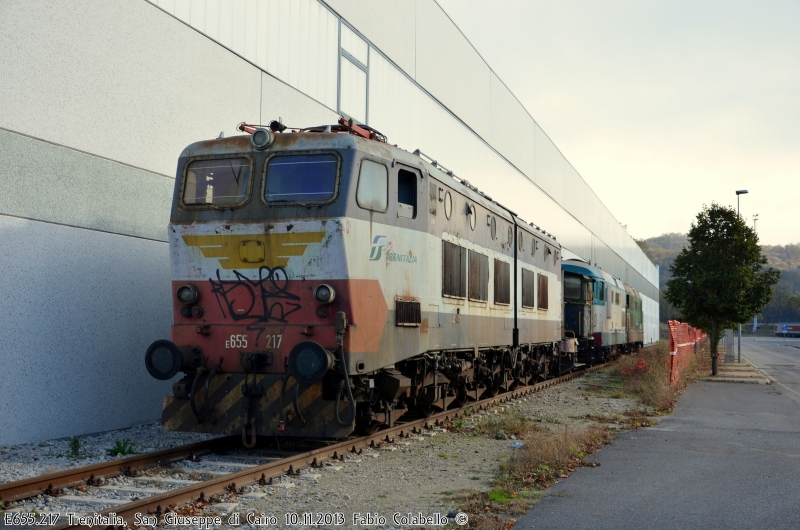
x=661 y=106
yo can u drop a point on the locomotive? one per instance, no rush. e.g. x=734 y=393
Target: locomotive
x=326 y=282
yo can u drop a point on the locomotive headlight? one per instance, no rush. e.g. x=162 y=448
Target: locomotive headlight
x=261 y=138
x=324 y=294
x=309 y=362
x=163 y=359
x=187 y=294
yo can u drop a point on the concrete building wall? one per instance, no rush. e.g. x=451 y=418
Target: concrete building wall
x=98 y=98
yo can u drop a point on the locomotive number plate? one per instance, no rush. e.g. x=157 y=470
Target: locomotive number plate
x=236 y=341
x=274 y=341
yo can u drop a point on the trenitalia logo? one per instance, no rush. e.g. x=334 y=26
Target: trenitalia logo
x=377 y=248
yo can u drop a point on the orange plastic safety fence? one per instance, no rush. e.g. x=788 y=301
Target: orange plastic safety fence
x=684 y=341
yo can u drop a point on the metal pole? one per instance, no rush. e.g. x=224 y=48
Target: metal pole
x=740 y=326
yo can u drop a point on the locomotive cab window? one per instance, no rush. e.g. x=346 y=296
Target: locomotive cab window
x=406 y=194
x=301 y=179
x=373 y=186
x=220 y=182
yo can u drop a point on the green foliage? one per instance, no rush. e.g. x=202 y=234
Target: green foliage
x=122 y=447
x=74 y=447
x=719 y=280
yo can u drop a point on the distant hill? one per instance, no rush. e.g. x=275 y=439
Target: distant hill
x=663 y=249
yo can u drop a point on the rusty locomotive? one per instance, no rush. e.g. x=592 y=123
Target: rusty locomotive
x=325 y=282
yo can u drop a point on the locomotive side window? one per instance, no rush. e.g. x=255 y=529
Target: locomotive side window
x=406 y=194
x=542 y=302
x=373 y=186
x=502 y=282
x=301 y=179
x=454 y=261
x=478 y=276
x=216 y=182
x=528 y=287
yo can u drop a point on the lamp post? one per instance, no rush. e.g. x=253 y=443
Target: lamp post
x=740 y=192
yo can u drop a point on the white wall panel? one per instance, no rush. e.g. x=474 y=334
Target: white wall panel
x=550 y=166
x=450 y=68
x=282 y=101
x=297 y=41
x=94 y=76
x=511 y=131
x=390 y=25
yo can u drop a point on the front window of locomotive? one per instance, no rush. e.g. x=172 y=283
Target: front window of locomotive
x=301 y=179
x=217 y=182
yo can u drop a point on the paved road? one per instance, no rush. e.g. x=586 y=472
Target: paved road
x=778 y=358
x=728 y=458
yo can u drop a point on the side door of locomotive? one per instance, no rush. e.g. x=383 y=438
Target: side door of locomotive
x=408 y=210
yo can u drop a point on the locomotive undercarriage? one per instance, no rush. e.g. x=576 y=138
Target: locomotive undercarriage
x=271 y=404
x=440 y=380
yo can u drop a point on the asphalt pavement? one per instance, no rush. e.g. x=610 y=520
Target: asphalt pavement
x=727 y=458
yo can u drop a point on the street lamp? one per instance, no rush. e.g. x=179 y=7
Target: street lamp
x=740 y=192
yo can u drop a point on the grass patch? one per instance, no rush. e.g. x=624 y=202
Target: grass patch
x=75 y=448
x=382 y=496
x=121 y=447
x=508 y=423
x=645 y=376
x=545 y=457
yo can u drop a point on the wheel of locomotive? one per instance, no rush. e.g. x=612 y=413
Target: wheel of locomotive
x=490 y=392
x=369 y=428
x=460 y=400
x=425 y=411
x=541 y=362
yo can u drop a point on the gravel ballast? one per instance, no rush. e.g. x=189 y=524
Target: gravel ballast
x=424 y=475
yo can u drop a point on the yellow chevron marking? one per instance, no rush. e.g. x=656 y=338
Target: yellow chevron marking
x=245 y=251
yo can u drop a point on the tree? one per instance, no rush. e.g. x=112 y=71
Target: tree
x=719 y=280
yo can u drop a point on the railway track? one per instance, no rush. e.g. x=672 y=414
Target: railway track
x=220 y=476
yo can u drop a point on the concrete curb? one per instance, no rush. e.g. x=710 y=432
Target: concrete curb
x=746 y=373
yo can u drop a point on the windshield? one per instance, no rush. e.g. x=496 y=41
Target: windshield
x=301 y=178
x=217 y=182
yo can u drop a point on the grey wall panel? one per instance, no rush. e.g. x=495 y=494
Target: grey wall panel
x=550 y=166
x=73 y=340
x=450 y=68
x=120 y=79
x=389 y=24
x=575 y=193
x=512 y=132
x=297 y=41
x=282 y=101
x=39 y=180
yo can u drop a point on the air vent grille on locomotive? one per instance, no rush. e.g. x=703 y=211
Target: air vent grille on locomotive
x=408 y=313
